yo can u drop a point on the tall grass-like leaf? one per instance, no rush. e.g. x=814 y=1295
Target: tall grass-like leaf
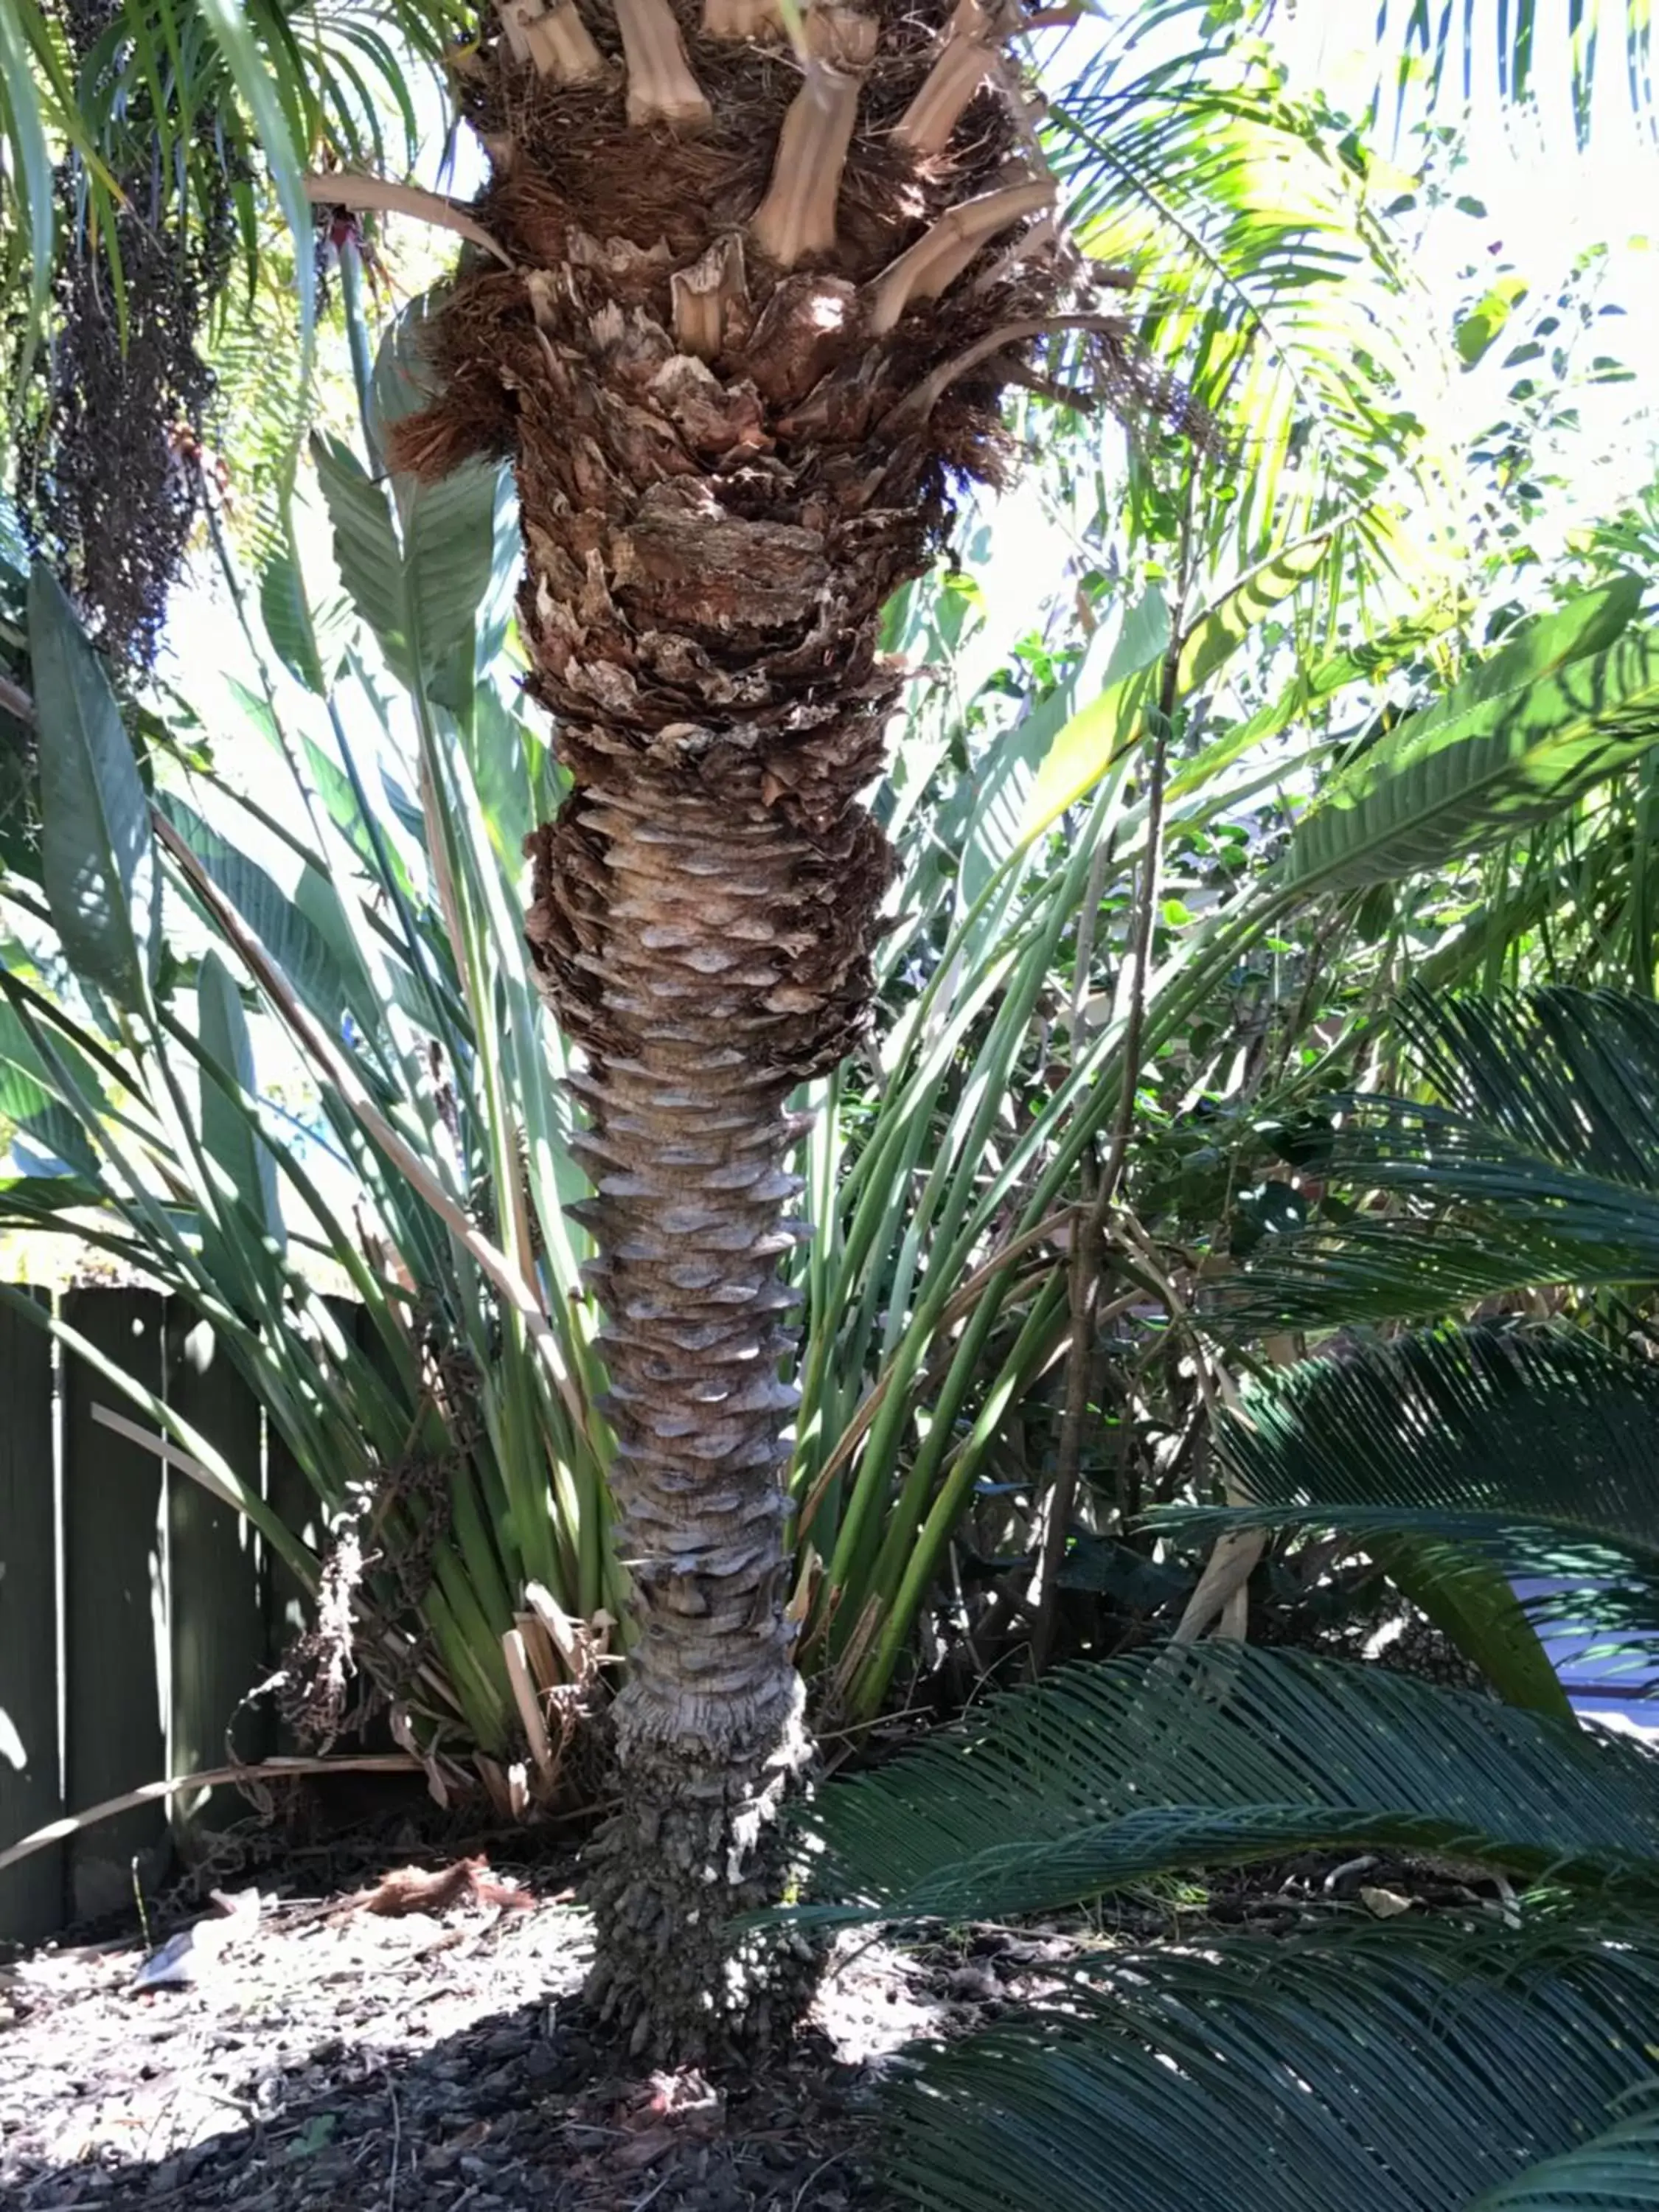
x=97 y=857
x=249 y=1171
x=32 y=162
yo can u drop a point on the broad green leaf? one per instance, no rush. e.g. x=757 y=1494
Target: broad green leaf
x=30 y=1100
x=1087 y=745
x=97 y=856
x=227 y=1138
x=419 y=594
x=1486 y=322
x=1590 y=622
x=1219 y=632
x=290 y=937
x=32 y=162
x=1426 y=794
x=287 y=616
x=1474 y=1607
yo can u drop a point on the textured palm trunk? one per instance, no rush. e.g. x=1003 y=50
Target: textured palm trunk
x=758 y=303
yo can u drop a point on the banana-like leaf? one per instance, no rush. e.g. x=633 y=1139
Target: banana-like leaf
x=1395 y=2071
x=421 y=593
x=249 y=1170
x=1107 y=1774
x=98 y=860
x=1535 y=1451
x=282 y=926
x=1432 y=789
x=1219 y=632
x=31 y=1100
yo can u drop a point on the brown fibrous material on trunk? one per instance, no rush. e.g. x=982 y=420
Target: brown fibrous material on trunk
x=720 y=486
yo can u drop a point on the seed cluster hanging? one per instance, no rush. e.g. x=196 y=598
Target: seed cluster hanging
x=108 y=454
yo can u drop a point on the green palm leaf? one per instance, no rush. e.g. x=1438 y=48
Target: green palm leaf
x=1535 y=1452
x=1399 y=2073
x=1482 y=766
x=1614 y=2172
x=1545 y=1150
x=1107 y=1774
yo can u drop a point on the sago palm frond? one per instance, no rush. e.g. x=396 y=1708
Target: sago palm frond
x=1538 y=1163
x=1538 y=1451
x=1105 y=1775
x=1444 y=2069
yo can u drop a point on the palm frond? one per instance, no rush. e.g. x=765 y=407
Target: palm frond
x=1106 y=1774
x=1454 y=51
x=1534 y=1451
x=1614 y=2172
x=1401 y=2072
x=1276 y=294
x=1545 y=1150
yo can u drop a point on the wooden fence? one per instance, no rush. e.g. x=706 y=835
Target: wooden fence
x=136 y=1610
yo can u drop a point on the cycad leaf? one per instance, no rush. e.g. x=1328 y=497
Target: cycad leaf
x=1546 y=1149
x=1538 y=1451
x=1431 y=789
x=1615 y=2172
x=1396 y=2071
x=1107 y=1774
x=97 y=856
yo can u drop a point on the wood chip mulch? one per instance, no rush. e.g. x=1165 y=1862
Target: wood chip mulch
x=423 y=2055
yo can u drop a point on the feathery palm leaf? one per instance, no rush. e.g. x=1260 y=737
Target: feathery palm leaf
x=1445 y=49
x=1546 y=1149
x=1537 y=1452
x=1106 y=1774
x=1420 y=2072
x=1275 y=291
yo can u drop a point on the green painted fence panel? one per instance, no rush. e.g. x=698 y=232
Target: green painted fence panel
x=31 y=1893
x=115 y=1609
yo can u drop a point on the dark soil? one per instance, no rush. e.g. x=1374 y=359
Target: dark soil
x=334 y=2057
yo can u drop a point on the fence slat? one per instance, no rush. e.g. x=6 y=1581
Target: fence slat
x=31 y=1893
x=114 y=1612
x=216 y=1605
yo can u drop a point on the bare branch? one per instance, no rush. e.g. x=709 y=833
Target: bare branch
x=345 y=188
x=918 y=403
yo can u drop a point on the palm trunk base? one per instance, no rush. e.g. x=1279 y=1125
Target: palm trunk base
x=700 y=1844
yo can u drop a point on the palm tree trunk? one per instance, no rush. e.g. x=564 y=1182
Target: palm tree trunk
x=709 y=952
x=758 y=305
